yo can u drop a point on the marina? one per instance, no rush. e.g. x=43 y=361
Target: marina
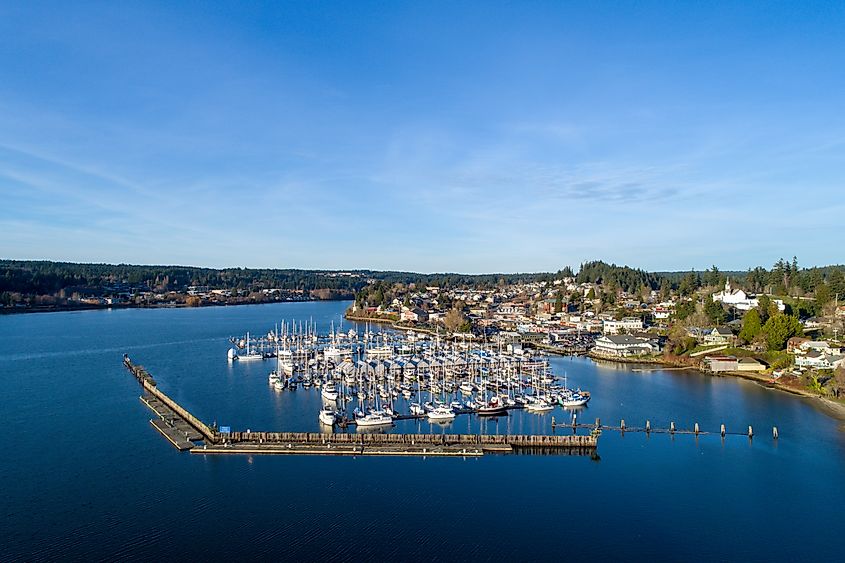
x=373 y=379
x=187 y=433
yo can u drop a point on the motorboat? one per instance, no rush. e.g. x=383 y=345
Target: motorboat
x=374 y=419
x=493 y=407
x=441 y=414
x=328 y=417
x=329 y=391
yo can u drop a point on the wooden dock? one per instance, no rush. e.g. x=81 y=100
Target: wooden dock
x=696 y=430
x=187 y=433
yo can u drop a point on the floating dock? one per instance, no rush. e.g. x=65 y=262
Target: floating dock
x=188 y=433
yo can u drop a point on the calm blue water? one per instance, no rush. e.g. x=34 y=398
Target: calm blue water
x=84 y=476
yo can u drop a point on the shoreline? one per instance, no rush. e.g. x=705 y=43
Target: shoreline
x=119 y=306
x=832 y=408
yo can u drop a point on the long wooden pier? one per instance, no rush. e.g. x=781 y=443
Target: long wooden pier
x=188 y=433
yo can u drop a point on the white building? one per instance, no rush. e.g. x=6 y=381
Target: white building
x=628 y=324
x=735 y=298
x=622 y=346
x=741 y=300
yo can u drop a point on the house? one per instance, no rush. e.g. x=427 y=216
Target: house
x=414 y=314
x=623 y=346
x=718 y=336
x=628 y=324
x=661 y=313
x=512 y=309
x=819 y=360
x=812 y=323
x=819 y=346
x=794 y=343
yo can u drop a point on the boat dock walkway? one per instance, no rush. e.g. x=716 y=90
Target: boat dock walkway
x=696 y=430
x=188 y=433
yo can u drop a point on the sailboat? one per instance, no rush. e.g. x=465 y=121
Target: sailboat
x=249 y=355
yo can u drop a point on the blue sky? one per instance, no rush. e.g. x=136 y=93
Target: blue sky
x=459 y=136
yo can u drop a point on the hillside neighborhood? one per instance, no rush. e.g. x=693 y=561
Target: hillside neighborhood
x=721 y=327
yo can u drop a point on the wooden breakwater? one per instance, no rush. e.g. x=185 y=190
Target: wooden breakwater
x=149 y=384
x=185 y=432
x=480 y=440
x=397 y=444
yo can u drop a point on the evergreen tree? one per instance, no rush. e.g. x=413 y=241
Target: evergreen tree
x=751 y=326
x=714 y=311
x=779 y=329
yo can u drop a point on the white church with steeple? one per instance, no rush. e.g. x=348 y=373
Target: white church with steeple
x=741 y=300
x=735 y=298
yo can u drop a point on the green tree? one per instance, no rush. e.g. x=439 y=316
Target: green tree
x=780 y=328
x=684 y=309
x=714 y=311
x=689 y=283
x=751 y=326
x=558 y=302
x=764 y=308
x=823 y=296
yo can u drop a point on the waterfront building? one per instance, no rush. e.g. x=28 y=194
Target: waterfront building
x=623 y=346
x=721 y=363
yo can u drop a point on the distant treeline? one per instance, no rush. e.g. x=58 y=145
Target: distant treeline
x=37 y=277
x=50 y=278
x=31 y=277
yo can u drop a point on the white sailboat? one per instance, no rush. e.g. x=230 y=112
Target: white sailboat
x=250 y=355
